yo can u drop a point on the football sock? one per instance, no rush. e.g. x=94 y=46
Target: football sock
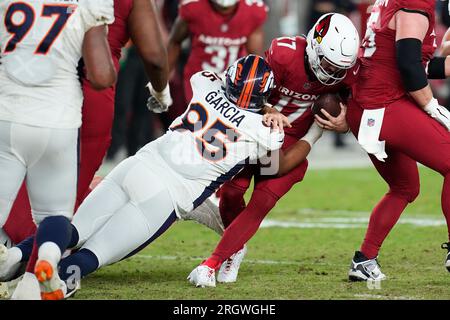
x=56 y=230
x=445 y=201
x=26 y=247
x=232 y=203
x=243 y=227
x=75 y=237
x=85 y=260
x=383 y=219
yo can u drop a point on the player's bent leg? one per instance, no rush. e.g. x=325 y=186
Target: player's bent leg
x=97 y=209
x=128 y=231
x=232 y=193
x=430 y=146
x=52 y=197
x=265 y=196
x=402 y=176
x=12 y=168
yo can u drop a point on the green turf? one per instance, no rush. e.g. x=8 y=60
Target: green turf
x=307 y=263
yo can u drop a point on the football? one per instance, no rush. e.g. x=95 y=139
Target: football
x=329 y=102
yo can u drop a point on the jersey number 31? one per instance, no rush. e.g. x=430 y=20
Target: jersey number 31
x=20 y=30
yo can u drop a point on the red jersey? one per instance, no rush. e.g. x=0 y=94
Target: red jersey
x=296 y=87
x=380 y=82
x=217 y=40
x=118 y=35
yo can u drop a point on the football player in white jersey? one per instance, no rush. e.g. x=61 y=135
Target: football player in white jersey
x=42 y=42
x=219 y=133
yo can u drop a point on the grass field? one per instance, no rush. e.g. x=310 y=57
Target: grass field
x=325 y=219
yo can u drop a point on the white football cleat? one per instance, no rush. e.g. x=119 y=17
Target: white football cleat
x=203 y=276
x=363 y=269
x=9 y=262
x=229 y=270
x=27 y=288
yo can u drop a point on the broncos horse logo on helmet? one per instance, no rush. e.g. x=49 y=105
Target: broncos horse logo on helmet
x=249 y=82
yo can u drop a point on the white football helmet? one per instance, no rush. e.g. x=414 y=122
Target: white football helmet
x=333 y=45
x=225 y=3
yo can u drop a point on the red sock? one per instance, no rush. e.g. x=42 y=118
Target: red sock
x=445 y=201
x=232 y=203
x=242 y=229
x=383 y=219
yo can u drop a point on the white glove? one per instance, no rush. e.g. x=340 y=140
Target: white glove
x=438 y=112
x=314 y=133
x=159 y=101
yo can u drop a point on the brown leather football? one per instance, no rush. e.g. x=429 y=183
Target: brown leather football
x=329 y=102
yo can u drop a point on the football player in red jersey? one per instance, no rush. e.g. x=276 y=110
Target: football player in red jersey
x=221 y=31
x=396 y=118
x=135 y=19
x=304 y=68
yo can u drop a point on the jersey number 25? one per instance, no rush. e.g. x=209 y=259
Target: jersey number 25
x=21 y=29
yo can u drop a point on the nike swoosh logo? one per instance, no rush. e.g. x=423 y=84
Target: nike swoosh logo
x=355 y=72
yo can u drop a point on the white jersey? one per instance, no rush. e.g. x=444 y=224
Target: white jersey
x=41 y=45
x=209 y=144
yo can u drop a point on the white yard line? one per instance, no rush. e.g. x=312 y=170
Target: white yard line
x=266 y=262
x=376 y=296
x=342 y=219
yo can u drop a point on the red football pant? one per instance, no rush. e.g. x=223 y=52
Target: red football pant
x=411 y=136
x=98 y=114
x=243 y=222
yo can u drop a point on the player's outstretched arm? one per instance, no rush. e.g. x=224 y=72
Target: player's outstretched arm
x=297 y=153
x=145 y=32
x=411 y=29
x=97 y=58
x=179 y=33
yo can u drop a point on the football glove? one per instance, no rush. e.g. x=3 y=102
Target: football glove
x=159 y=101
x=438 y=112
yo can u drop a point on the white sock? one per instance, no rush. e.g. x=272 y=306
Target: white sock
x=50 y=252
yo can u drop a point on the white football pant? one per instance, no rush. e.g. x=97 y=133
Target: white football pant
x=47 y=160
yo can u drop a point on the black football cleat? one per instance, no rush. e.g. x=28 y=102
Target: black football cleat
x=446 y=246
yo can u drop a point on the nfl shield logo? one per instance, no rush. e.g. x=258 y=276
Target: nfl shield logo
x=371 y=122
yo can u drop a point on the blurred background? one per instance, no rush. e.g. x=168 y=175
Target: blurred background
x=135 y=126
